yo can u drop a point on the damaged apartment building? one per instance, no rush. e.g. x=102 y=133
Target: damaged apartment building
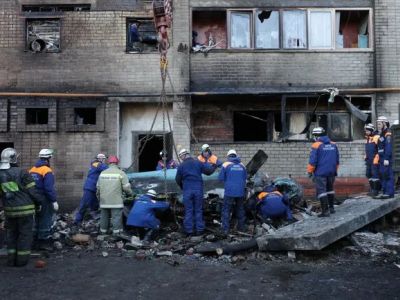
x=244 y=75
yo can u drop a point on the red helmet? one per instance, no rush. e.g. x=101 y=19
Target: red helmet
x=112 y=159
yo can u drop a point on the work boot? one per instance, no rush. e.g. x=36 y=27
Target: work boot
x=324 y=207
x=331 y=200
x=385 y=196
x=150 y=235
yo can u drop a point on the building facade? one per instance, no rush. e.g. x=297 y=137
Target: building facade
x=244 y=75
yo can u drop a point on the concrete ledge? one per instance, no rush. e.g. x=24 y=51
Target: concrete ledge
x=316 y=233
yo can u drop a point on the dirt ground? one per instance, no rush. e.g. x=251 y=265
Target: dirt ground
x=89 y=275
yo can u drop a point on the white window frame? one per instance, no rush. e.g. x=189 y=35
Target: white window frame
x=333 y=40
x=279 y=28
x=252 y=29
x=282 y=11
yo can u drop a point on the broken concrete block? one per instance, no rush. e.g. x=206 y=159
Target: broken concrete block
x=58 y=245
x=369 y=243
x=120 y=244
x=291 y=255
x=316 y=233
x=56 y=236
x=104 y=254
x=81 y=238
x=164 y=253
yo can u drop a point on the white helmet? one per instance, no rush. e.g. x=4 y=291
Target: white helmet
x=151 y=193
x=232 y=152
x=183 y=152
x=369 y=127
x=318 y=131
x=8 y=156
x=46 y=153
x=101 y=156
x=205 y=147
x=382 y=119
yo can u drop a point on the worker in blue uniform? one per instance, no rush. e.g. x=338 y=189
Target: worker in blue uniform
x=271 y=204
x=89 y=199
x=233 y=173
x=189 y=178
x=170 y=163
x=322 y=167
x=372 y=159
x=385 y=158
x=143 y=215
x=206 y=156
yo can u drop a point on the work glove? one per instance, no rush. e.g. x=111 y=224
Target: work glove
x=311 y=176
x=385 y=162
x=55 y=206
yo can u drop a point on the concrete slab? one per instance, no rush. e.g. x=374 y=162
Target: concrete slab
x=316 y=233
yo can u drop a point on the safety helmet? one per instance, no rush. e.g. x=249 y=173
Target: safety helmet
x=8 y=156
x=46 y=153
x=232 y=152
x=369 y=127
x=162 y=152
x=205 y=147
x=382 y=119
x=183 y=152
x=151 y=193
x=101 y=156
x=317 y=131
x=112 y=159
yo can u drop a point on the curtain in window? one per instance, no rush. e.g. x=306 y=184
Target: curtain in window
x=240 y=30
x=267 y=29
x=294 y=29
x=320 y=30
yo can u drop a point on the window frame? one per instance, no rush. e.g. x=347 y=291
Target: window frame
x=282 y=26
x=251 y=27
x=333 y=37
x=44 y=18
x=130 y=20
x=279 y=29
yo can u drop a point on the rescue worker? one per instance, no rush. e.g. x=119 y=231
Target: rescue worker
x=188 y=177
x=171 y=164
x=372 y=158
x=207 y=156
x=233 y=173
x=322 y=167
x=385 y=158
x=111 y=185
x=20 y=199
x=89 y=199
x=44 y=178
x=271 y=204
x=143 y=214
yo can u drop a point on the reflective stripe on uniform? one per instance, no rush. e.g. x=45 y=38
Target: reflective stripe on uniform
x=110 y=176
x=10 y=186
x=20 y=213
x=19 y=208
x=23 y=253
x=11 y=251
x=29 y=185
x=322 y=195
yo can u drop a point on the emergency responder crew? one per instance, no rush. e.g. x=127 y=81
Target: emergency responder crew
x=188 y=177
x=372 y=158
x=44 y=178
x=385 y=158
x=171 y=164
x=271 y=204
x=111 y=185
x=143 y=214
x=207 y=156
x=322 y=167
x=20 y=198
x=89 y=199
x=233 y=173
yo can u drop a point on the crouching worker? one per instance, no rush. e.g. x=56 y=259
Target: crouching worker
x=19 y=196
x=273 y=205
x=111 y=185
x=143 y=215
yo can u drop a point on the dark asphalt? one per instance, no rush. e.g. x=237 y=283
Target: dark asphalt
x=91 y=276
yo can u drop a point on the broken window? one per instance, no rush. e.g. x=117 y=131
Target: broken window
x=320 y=29
x=240 y=30
x=85 y=116
x=209 y=29
x=267 y=29
x=43 y=35
x=352 y=29
x=294 y=29
x=55 y=8
x=141 y=36
x=254 y=126
x=363 y=104
x=36 y=116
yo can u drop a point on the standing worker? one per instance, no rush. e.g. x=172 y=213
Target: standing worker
x=111 y=185
x=323 y=166
x=89 y=199
x=143 y=214
x=44 y=178
x=19 y=197
x=170 y=163
x=188 y=177
x=372 y=158
x=233 y=173
x=385 y=158
x=206 y=156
